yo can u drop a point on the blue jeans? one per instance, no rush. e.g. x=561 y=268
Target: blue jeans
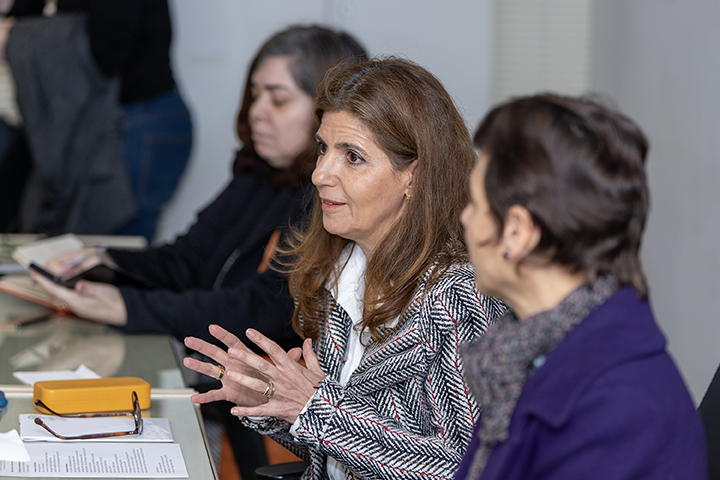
x=157 y=141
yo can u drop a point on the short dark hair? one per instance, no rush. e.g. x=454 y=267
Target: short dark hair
x=313 y=51
x=578 y=167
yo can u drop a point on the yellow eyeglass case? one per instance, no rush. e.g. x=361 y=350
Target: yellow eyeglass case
x=94 y=395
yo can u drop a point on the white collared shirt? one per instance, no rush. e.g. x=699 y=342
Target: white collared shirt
x=349 y=295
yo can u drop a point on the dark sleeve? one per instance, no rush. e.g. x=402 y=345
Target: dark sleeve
x=115 y=29
x=177 y=266
x=23 y=8
x=262 y=302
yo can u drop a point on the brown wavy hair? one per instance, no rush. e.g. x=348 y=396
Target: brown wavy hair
x=578 y=167
x=313 y=51
x=411 y=117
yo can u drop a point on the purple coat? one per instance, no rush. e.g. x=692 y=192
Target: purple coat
x=608 y=403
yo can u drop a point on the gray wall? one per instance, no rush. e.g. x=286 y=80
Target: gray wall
x=214 y=42
x=659 y=60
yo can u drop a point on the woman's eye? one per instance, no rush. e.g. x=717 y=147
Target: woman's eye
x=279 y=102
x=354 y=158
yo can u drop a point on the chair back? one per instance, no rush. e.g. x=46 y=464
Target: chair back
x=710 y=413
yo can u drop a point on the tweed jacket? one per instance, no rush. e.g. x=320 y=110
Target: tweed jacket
x=406 y=410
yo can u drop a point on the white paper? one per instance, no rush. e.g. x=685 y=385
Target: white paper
x=154 y=429
x=42 y=251
x=11 y=268
x=99 y=460
x=80 y=373
x=11 y=447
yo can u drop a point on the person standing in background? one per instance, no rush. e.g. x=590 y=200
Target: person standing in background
x=130 y=40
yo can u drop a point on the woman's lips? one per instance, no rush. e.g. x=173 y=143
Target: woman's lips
x=330 y=204
x=258 y=137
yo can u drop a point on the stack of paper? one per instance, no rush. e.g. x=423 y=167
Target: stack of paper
x=42 y=251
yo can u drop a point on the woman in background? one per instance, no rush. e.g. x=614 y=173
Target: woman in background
x=575 y=381
x=384 y=291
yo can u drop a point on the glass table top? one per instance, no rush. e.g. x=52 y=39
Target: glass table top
x=65 y=343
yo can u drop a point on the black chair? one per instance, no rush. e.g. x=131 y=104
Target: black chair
x=281 y=471
x=710 y=413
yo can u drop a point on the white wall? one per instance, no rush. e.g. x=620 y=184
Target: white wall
x=214 y=42
x=541 y=46
x=659 y=60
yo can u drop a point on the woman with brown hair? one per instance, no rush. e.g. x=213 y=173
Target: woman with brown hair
x=384 y=292
x=575 y=381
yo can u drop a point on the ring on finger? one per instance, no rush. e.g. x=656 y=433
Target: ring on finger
x=221 y=372
x=269 y=390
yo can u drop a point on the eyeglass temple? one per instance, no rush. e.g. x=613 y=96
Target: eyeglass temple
x=135 y=414
x=38 y=421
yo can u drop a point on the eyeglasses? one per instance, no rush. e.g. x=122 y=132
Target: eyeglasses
x=135 y=414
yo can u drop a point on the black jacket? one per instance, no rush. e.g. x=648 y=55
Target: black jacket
x=209 y=275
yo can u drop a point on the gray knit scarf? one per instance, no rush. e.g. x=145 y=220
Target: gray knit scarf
x=498 y=364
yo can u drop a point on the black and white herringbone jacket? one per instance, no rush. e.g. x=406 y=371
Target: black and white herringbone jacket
x=406 y=411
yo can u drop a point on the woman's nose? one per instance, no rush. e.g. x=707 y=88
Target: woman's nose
x=258 y=108
x=323 y=173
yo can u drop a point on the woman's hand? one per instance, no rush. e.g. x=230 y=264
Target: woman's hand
x=91 y=300
x=230 y=390
x=289 y=385
x=247 y=375
x=71 y=263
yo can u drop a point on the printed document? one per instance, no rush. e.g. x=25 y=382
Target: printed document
x=98 y=460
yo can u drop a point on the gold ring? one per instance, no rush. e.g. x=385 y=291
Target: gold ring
x=269 y=390
x=221 y=373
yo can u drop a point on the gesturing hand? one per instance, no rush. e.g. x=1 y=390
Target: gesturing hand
x=260 y=388
x=289 y=385
x=230 y=390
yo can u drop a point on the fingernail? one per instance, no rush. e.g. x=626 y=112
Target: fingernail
x=233 y=352
x=235 y=411
x=251 y=333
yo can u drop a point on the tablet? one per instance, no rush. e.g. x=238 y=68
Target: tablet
x=105 y=274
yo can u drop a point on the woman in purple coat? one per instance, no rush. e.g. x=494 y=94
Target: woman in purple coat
x=575 y=380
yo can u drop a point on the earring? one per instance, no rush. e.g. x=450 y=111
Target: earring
x=408 y=195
